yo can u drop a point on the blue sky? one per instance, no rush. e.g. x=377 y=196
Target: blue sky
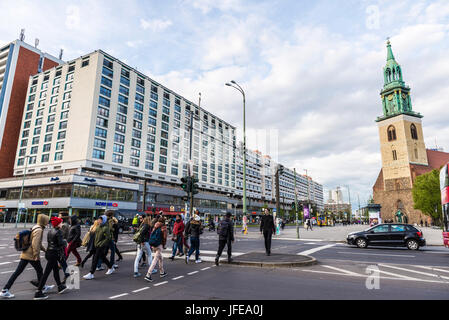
x=312 y=70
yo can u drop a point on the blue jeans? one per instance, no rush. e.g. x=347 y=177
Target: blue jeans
x=177 y=245
x=194 y=246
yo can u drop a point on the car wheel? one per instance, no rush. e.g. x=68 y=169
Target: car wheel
x=412 y=244
x=361 y=243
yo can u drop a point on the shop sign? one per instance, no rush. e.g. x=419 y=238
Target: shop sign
x=39 y=203
x=104 y=204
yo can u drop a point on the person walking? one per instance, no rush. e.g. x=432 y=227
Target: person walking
x=157 y=241
x=143 y=246
x=194 y=229
x=113 y=227
x=74 y=240
x=135 y=223
x=55 y=245
x=31 y=256
x=225 y=237
x=65 y=229
x=90 y=242
x=267 y=228
x=178 y=231
x=102 y=240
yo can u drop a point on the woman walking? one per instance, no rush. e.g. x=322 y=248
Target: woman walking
x=90 y=242
x=74 y=240
x=143 y=245
x=158 y=239
x=54 y=249
x=194 y=229
x=178 y=231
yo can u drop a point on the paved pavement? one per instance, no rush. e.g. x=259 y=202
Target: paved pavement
x=341 y=273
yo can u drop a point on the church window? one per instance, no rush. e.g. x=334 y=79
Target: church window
x=391 y=133
x=414 y=132
x=395 y=155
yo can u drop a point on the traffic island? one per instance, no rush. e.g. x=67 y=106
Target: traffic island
x=260 y=259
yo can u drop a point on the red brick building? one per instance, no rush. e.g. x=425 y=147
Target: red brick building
x=18 y=61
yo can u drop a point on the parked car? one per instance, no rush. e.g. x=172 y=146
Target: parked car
x=397 y=234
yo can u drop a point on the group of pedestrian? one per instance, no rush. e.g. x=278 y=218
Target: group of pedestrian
x=64 y=238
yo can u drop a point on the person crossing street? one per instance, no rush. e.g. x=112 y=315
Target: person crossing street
x=267 y=228
x=178 y=231
x=225 y=237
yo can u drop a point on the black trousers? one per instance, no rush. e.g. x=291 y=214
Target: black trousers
x=52 y=265
x=222 y=244
x=21 y=267
x=267 y=236
x=100 y=253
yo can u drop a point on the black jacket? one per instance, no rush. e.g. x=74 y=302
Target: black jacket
x=194 y=229
x=146 y=232
x=75 y=231
x=55 y=241
x=267 y=224
x=229 y=226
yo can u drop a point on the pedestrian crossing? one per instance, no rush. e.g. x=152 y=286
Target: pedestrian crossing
x=384 y=271
x=205 y=255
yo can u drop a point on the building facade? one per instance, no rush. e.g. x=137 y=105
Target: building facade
x=18 y=61
x=403 y=150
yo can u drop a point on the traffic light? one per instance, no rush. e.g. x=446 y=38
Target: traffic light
x=194 y=188
x=186 y=184
x=281 y=169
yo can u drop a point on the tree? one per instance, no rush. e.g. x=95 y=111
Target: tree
x=427 y=196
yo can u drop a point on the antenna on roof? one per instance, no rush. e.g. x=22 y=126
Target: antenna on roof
x=36 y=43
x=60 y=54
x=22 y=35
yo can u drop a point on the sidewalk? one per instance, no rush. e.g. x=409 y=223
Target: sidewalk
x=433 y=236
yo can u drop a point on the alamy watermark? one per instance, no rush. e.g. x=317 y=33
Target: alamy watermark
x=373 y=280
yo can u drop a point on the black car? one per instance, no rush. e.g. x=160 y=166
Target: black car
x=398 y=235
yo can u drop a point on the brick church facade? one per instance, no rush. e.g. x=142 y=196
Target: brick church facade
x=403 y=151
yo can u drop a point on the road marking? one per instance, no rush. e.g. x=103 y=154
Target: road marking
x=378 y=254
x=414 y=271
x=310 y=243
x=3 y=263
x=432 y=268
x=342 y=270
x=177 y=278
x=159 y=284
x=12 y=255
x=307 y=252
x=190 y=273
x=393 y=274
x=7 y=272
x=294 y=239
x=205 y=269
x=16 y=261
x=118 y=296
x=138 y=290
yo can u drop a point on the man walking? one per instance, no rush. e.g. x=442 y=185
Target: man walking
x=225 y=237
x=178 y=231
x=74 y=240
x=267 y=227
x=31 y=256
x=193 y=229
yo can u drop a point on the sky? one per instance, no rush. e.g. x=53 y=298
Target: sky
x=311 y=70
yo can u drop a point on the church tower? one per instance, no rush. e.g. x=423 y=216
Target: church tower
x=400 y=129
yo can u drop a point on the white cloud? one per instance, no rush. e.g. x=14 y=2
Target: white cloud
x=73 y=17
x=155 y=25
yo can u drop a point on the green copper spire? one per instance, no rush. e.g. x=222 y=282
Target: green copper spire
x=395 y=94
x=390 y=55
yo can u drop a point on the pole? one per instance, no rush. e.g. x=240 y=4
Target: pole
x=296 y=208
x=350 y=206
x=244 y=154
x=21 y=190
x=144 y=202
x=278 y=206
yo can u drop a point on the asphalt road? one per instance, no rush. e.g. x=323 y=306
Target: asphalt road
x=341 y=273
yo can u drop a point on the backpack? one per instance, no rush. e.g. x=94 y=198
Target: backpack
x=22 y=240
x=139 y=236
x=223 y=229
x=155 y=238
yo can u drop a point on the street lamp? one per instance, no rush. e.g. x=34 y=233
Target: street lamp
x=236 y=86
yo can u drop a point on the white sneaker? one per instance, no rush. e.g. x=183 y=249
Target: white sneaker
x=6 y=294
x=89 y=276
x=198 y=261
x=47 y=288
x=110 y=271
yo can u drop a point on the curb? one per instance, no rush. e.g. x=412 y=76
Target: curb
x=311 y=261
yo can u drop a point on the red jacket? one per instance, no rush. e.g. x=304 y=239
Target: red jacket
x=178 y=228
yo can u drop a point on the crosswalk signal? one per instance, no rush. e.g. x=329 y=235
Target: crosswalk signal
x=194 y=186
x=186 y=184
